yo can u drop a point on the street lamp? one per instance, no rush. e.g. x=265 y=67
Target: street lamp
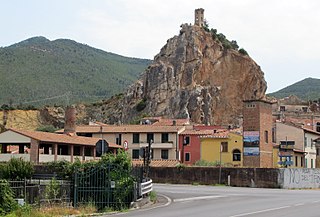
x=220 y=164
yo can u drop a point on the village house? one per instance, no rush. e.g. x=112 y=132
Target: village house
x=222 y=146
x=135 y=138
x=190 y=144
x=301 y=142
x=40 y=147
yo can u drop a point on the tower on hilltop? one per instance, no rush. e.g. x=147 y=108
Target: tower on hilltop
x=199 y=17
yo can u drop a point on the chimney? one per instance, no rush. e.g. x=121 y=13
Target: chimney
x=70 y=121
x=174 y=123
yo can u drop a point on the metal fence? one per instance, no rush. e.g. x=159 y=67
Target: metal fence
x=38 y=192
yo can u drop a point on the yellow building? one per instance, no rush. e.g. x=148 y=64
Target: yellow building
x=223 y=146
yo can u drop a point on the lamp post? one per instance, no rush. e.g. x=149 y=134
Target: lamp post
x=220 y=164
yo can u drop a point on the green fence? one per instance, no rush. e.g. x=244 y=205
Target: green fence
x=105 y=186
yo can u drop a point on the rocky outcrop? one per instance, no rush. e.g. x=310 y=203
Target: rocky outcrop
x=195 y=77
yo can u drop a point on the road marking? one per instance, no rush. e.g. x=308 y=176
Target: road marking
x=197 y=198
x=299 y=204
x=261 y=211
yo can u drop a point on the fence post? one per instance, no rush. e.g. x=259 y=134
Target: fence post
x=75 y=190
x=25 y=189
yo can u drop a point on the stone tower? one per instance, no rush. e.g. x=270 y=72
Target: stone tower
x=199 y=17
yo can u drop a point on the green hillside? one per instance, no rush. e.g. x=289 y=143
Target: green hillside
x=307 y=89
x=39 y=72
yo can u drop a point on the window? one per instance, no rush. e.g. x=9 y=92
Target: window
x=266 y=139
x=282 y=108
x=318 y=126
x=164 y=154
x=224 y=146
x=135 y=153
x=136 y=138
x=164 y=137
x=118 y=139
x=186 y=140
x=306 y=164
x=274 y=135
x=296 y=161
x=187 y=156
x=305 y=142
x=301 y=161
x=236 y=155
x=150 y=137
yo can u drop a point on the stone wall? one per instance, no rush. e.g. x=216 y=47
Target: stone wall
x=239 y=177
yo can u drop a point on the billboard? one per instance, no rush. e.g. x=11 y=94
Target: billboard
x=251 y=151
x=251 y=138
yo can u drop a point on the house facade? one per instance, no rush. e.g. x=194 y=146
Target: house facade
x=190 y=145
x=40 y=147
x=135 y=138
x=225 y=147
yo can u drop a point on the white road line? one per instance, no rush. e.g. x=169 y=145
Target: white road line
x=197 y=198
x=261 y=211
x=299 y=204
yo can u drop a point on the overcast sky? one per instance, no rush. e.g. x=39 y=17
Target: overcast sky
x=282 y=36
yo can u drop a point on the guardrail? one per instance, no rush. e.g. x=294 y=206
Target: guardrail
x=145 y=187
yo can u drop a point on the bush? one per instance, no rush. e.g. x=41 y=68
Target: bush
x=141 y=105
x=206 y=163
x=18 y=169
x=243 y=52
x=52 y=190
x=7 y=202
x=47 y=128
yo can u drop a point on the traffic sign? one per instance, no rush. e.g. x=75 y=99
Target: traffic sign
x=125 y=145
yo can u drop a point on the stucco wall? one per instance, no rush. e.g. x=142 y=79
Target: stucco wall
x=300 y=178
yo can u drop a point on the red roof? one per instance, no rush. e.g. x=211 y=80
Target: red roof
x=127 y=129
x=197 y=132
x=61 y=138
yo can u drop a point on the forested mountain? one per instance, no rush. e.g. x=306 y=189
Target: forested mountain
x=307 y=89
x=39 y=72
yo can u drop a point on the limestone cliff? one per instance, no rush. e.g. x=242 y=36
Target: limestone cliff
x=195 y=76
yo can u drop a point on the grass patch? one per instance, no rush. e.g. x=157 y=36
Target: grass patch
x=50 y=211
x=153 y=196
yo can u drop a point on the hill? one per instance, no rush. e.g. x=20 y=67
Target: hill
x=307 y=89
x=39 y=72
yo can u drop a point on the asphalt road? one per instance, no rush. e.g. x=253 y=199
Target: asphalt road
x=202 y=201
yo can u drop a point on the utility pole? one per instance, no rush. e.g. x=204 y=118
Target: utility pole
x=220 y=164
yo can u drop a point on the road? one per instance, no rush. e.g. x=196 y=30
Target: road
x=202 y=201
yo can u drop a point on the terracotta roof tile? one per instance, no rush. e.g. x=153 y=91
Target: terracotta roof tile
x=197 y=132
x=127 y=129
x=61 y=138
x=220 y=134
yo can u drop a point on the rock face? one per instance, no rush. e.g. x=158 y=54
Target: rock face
x=195 y=77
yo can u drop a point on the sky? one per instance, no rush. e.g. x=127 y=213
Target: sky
x=282 y=36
